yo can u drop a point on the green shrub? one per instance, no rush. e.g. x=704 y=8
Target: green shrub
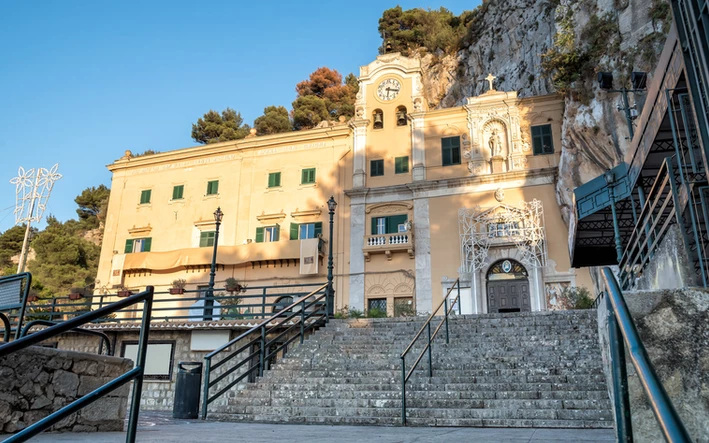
x=577 y=297
x=376 y=313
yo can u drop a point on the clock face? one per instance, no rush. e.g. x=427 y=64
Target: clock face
x=388 y=89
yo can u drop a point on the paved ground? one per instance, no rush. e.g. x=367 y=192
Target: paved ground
x=161 y=428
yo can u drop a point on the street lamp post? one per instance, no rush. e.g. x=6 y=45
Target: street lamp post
x=610 y=181
x=209 y=301
x=330 y=298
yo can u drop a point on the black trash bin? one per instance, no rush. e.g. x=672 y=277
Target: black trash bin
x=189 y=381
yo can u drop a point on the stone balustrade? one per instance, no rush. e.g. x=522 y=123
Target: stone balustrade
x=389 y=243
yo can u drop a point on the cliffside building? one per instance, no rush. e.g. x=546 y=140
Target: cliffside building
x=424 y=197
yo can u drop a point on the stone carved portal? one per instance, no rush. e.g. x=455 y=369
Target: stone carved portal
x=497 y=234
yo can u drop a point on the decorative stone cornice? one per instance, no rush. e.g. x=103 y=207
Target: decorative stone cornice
x=308 y=213
x=271 y=217
x=140 y=230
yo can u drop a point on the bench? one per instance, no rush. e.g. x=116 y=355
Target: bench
x=14 y=290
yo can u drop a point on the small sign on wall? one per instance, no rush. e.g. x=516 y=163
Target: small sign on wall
x=208 y=340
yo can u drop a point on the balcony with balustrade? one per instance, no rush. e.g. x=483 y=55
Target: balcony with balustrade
x=388 y=244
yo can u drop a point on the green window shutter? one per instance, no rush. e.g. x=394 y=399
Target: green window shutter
x=393 y=223
x=307 y=176
x=277 y=231
x=129 y=246
x=374 y=225
x=318 y=229
x=274 y=179
x=213 y=187
x=259 y=235
x=204 y=239
x=145 y=196
x=376 y=168
x=177 y=192
x=401 y=165
x=455 y=148
x=294 y=231
x=147 y=242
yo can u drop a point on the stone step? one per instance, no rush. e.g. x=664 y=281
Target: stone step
x=599 y=395
x=412 y=421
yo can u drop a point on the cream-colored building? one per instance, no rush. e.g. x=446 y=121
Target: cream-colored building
x=424 y=197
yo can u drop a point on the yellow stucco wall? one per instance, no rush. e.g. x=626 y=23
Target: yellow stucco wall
x=336 y=152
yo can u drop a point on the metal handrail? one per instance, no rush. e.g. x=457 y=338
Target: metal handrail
x=621 y=326
x=258 y=302
x=260 y=333
x=652 y=225
x=102 y=335
x=427 y=325
x=135 y=374
x=7 y=329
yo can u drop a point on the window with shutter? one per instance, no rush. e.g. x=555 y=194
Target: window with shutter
x=145 y=196
x=274 y=179
x=376 y=168
x=138 y=245
x=259 y=235
x=450 y=151
x=206 y=239
x=213 y=187
x=542 y=140
x=307 y=176
x=401 y=165
x=388 y=225
x=177 y=192
x=294 y=231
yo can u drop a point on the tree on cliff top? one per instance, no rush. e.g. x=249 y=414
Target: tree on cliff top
x=93 y=203
x=274 y=120
x=412 y=29
x=324 y=96
x=214 y=128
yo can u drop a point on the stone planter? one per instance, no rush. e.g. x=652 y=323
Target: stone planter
x=176 y=291
x=125 y=293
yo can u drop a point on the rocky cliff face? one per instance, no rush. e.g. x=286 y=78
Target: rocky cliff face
x=509 y=38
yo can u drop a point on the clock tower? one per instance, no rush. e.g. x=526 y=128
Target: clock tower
x=388 y=124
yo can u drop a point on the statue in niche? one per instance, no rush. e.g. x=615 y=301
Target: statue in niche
x=495 y=144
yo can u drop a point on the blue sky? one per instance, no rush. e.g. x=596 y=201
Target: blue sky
x=81 y=82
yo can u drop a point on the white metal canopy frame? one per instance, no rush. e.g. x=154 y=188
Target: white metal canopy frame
x=32 y=190
x=503 y=224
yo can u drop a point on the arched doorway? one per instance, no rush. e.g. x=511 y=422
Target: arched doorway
x=508 y=287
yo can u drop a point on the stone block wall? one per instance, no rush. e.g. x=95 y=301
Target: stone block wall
x=157 y=395
x=38 y=381
x=674 y=327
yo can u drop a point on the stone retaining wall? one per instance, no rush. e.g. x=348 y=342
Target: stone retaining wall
x=674 y=327
x=38 y=381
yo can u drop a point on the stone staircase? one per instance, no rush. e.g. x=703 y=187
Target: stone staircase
x=500 y=370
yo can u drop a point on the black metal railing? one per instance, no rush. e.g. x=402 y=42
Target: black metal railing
x=662 y=209
x=135 y=374
x=103 y=342
x=405 y=376
x=257 y=302
x=262 y=343
x=14 y=290
x=622 y=333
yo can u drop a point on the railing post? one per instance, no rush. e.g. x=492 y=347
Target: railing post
x=302 y=321
x=621 y=399
x=140 y=363
x=52 y=306
x=205 y=389
x=445 y=307
x=430 y=345
x=262 y=353
x=263 y=303
x=403 y=390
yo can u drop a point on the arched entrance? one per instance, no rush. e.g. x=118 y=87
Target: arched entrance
x=508 y=287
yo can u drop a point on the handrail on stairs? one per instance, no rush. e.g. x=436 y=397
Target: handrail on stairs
x=313 y=305
x=622 y=333
x=427 y=325
x=135 y=374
